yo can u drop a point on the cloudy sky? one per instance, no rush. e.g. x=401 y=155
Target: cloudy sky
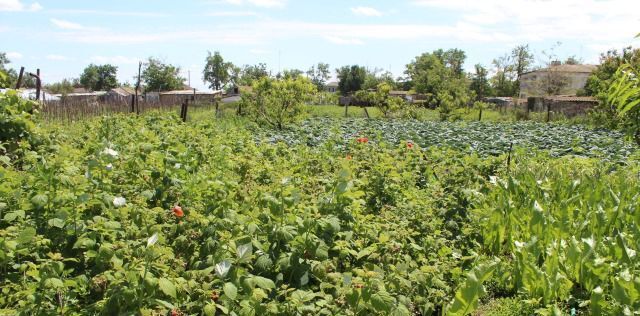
x=62 y=36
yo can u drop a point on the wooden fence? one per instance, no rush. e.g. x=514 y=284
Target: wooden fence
x=74 y=110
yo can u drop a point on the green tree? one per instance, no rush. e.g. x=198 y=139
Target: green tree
x=99 y=77
x=438 y=74
x=480 y=83
x=504 y=82
x=319 y=74
x=216 y=71
x=278 y=102
x=158 y=76
x=252 y=73
x=600 y=80
x=290 y=74
x=351 y=78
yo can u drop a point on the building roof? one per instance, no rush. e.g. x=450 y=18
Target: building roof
x=190 y=92
x=397 y=92
x=332 y=84
x=567 y=68
x=124 y=91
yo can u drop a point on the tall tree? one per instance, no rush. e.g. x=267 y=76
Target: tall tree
x=439 y=75
x=319 y=74
x=158 y=76
x=99 y=77
x=480 y=82
x=216 y=71
x=601 y=79
x=522 y=58
x=351 y=78
x=504 y=81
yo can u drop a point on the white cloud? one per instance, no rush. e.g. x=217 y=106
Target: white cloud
x=343 y=41
x=57 y=57
x=114 y=60
x=259 y=3
x=107 y=13
x=17 y=5
x=366 y=11
x=66 y=25
x=14 y=55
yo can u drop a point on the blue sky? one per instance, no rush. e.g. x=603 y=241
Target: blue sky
x=62 y=36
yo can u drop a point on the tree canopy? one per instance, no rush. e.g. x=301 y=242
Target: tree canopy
x=217 y=71
x=158 y=76
x=99 y=77
x=351 y=78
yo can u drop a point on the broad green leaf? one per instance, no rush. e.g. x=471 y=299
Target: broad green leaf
x=468 y=295
x=382 y=301
x=167 y=287
x=230 y=290
x=262 y=283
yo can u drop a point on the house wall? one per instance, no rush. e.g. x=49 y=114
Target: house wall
x=530 y=83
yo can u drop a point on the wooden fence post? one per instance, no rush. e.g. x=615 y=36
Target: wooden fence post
x=19 y=83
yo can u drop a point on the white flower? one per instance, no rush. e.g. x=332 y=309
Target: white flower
x=152 y=240
x=119 y=201
x=222 y=268
x=110 y=152
x=493 y=180
x=177 y=166
x=109 y=167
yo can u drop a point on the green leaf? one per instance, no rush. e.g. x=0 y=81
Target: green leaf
x=11 y=216
x=230 y=290
x=53 y=283
x=209 y=310
x=467 y=296
x=26 y=235
x=40 y=200
x=167 y=287
x=262 y=283
x=382 y=301
x=56 y=222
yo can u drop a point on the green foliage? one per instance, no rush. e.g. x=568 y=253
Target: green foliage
x=623 y=98
x=16 y=123
x=249 y=74
x=63 y=87
x=351 y=79
x=480 y=83
x=158 y=76
x=99 y=77
x=319 y=74
x=278 y=103
x=439 y=75
x=216 y=71
x=468 y=296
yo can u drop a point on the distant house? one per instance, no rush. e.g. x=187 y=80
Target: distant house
x=121 y=94
x=331 y=87
x=178 y=96
x=94 y=96
x=532 y=83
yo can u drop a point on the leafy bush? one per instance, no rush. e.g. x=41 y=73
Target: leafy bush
x=16 y=121
x=623 y=100
x=278 y=102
